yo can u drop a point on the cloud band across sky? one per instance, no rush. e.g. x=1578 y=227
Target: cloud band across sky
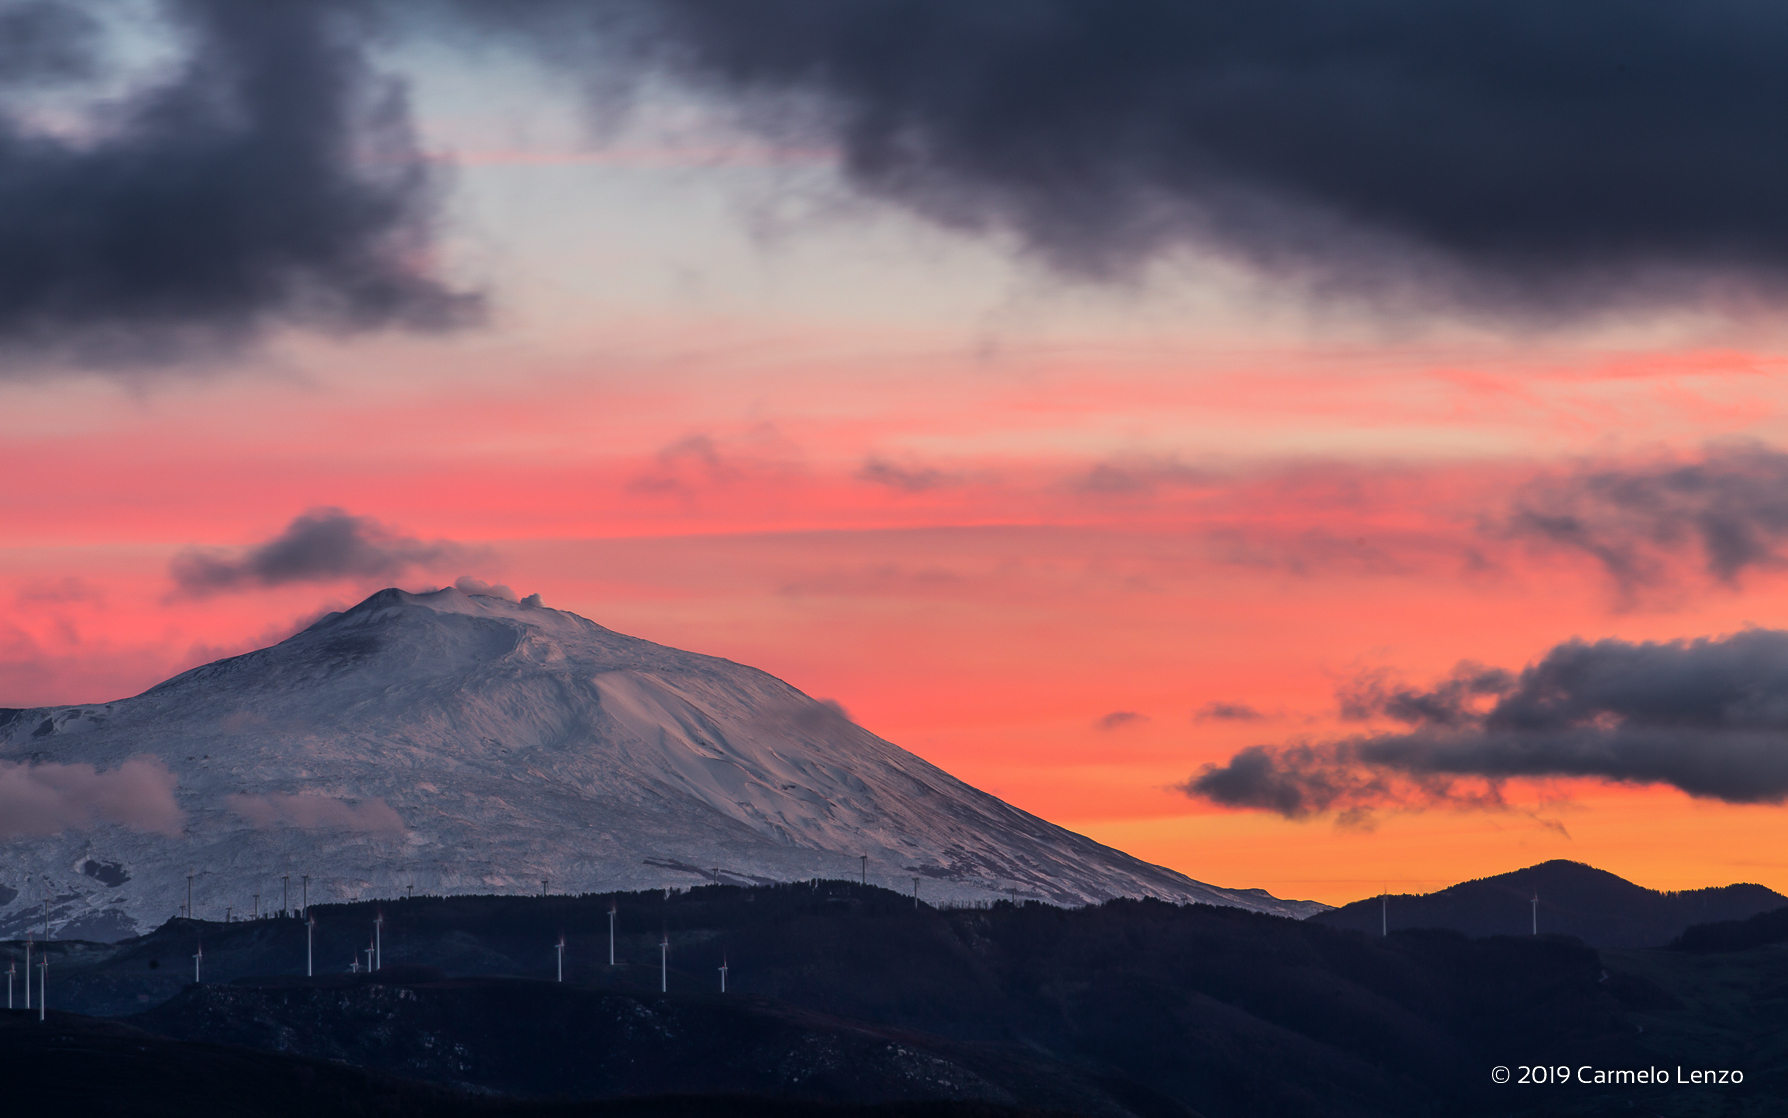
x=1544 y=152
x=1510 y=155
x=1708 y=717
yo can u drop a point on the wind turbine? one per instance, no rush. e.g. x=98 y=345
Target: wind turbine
x=378 y=942
x=611 y=932
x=369 y=958
x=256 y=911
x=12 y=968
x=1536 y=912
x=915 y=894
x=561 y=949
x=198 y=960
x=543 y=882
x=865 y=869
x=664 y=948
x=27 y=968
x=43 y=984
x=1384 y=910
x=285 y=889
x=723 y=972
x=310 y=931
x=304 y=881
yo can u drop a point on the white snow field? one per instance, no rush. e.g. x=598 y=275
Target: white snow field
x=459 y=743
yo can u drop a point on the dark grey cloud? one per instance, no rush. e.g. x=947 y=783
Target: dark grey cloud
x=46 y=42
x=1498 y=154
x=1515 y=154
x=1227 y=712
x=1118 y=719
x=271 y=177
x=1726 y=513
x=322 y=545
x=1706 y=716
x=1451 y=702
x=907 y=479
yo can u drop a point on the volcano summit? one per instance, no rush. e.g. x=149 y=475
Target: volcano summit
x=469 y=744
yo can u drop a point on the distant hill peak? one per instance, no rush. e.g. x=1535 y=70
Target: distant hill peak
x=1576 y=899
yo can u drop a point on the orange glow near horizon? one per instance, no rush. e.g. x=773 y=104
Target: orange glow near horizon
x=980 y=557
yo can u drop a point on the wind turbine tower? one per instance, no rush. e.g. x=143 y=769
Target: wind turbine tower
x=378 y=943
x=285 y=891
x=43 y=984
x=198 y=960
x=1384 y=910
x=664 y=954
x=611 y=933
x=723 y=972
x=1536 y=912
x=866 y=869
x=561 y=949
x=310 y=932
x=27 y=968
x=304 y=884
x=915 y=894
x=189 y=914
x=12 y=969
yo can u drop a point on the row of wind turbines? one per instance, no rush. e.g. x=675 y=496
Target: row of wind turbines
x=1384 y=913
x=375 y=949
x=43 y=969
x=43 y=980
x=375 y=955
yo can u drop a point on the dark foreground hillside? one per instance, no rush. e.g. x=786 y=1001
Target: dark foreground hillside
x=1593 y=905
x=85 y=1066
x=845 y=994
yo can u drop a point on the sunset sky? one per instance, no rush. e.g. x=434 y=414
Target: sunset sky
x=1073 y=507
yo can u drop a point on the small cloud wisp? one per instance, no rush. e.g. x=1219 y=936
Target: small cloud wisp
x=49 y=798
x=311 y=811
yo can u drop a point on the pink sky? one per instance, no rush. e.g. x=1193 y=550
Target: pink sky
x=983 y=513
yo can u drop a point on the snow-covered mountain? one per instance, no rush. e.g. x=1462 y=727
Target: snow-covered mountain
x=462 y=743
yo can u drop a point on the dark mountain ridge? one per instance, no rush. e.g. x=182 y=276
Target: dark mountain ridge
x=1575 y=899
x=1142 y=1008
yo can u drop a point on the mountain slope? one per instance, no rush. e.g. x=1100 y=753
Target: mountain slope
x=1599 y=908
x=463 y=743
